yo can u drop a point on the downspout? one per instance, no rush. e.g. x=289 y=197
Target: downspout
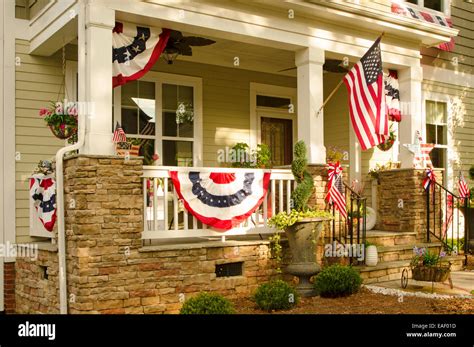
x=81 y=52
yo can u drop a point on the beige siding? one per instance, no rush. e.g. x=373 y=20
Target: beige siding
x=462 y=58
x=463 y=134
x=226 y=102
x=336 y=115
x=38 y=81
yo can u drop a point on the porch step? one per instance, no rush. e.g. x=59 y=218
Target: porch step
x=391 y=238
x=404 y=252
x=392 y=270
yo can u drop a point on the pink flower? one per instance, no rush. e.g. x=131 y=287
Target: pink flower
x=62 y=126
x=59 y=108
x=43 y=112
x=73 y=110
x=155 y=157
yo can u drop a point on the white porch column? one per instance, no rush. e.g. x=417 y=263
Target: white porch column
x=309 y=62
x=99 y=24
x=410 y=80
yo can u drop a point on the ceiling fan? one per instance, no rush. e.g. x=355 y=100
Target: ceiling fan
x=330 y=65
x=178 y=44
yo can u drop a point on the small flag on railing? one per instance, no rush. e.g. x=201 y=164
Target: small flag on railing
x=335 y=193
x=430 y=178
x=119 y=134
x=462 y=187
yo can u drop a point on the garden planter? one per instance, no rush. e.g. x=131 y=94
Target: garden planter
x=430 y=273
x=303 y=238
x=371 y=256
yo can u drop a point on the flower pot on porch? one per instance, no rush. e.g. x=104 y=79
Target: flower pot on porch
x=303 y=238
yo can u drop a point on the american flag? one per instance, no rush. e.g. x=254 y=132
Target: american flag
x=335 y=193
x=462 y=187
x=366 y=91
x=119 y=134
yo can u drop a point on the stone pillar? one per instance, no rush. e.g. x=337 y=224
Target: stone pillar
x=309 y=62
x=104 y=221
x=410 y=80
x=98 y=80
x=402 y=200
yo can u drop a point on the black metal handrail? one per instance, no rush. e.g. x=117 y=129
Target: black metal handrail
x=441 y=206
x=350 y=230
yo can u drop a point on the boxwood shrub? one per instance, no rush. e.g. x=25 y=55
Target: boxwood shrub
x=275 y=295
x=207 y=303
x=336 y=281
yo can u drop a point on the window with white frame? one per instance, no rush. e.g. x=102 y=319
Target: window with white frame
x=435 y=5
x=162 y=114
x=437 y=131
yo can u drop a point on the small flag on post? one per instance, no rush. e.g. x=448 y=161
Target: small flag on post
x=335 y=193
x=119 y=134
x=462 y=187
x=366 y=90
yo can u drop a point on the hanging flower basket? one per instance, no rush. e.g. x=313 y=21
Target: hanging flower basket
x=61 y=119
x=63 y=131
x=388 y=143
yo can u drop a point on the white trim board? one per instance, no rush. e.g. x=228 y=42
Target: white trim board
x=9 y=224
x=437 y=74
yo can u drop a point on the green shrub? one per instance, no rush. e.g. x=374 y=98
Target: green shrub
x=206 y=303
x=337 y=280
x=275 y=295
x=305 y=187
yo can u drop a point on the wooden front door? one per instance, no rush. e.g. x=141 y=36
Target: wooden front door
x=277 y=134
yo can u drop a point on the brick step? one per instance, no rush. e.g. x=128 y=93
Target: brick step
x=404 y=252
x=391 y=238
x=392 y=270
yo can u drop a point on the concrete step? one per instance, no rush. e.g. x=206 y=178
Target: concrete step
x=391 y=238
x=404 y=252
x=392 y=270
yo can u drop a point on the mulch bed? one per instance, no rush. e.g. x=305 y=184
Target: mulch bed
x=366 y=302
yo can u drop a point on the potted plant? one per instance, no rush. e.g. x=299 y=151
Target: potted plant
x=303 y=225
x=61 y=119
x=429 y=266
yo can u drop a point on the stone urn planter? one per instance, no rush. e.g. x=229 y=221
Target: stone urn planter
x=303 y=237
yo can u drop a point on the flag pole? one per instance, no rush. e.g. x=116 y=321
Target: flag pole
x=337 y=87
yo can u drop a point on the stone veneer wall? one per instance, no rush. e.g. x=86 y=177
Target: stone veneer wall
x=108 y=269
x=405 y=184
x=37 y=286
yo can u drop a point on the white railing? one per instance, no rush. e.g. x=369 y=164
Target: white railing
x=165 y=217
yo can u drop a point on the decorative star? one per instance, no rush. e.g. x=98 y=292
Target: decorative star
x=136 y=49
x=142 y=37
x=421 y=152
x=414 y=147
x=127 y=55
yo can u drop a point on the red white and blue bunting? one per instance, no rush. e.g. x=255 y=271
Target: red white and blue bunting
x=407 y=10
x=392 y=96
x=221 y=200
x=43 y=194
x=135 y=50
